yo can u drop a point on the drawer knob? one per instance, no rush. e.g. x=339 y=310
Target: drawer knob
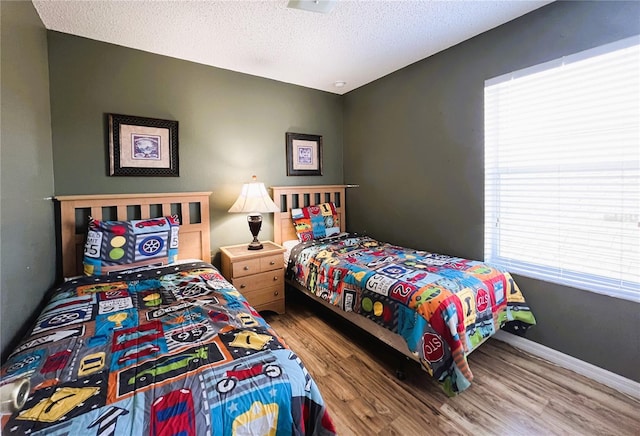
x=246 y=268
x=275 y=278
x=272 y=263
x=242 y=286
x=276 y=293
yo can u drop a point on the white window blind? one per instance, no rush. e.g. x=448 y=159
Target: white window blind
x=562 y=170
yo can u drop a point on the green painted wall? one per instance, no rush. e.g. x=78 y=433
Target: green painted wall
x=231 y=125
x=27 y=238
x=414 y=143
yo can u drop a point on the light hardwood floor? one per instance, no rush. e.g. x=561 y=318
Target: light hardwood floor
x=512 y=393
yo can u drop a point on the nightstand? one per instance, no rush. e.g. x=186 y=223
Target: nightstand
x=257 y=274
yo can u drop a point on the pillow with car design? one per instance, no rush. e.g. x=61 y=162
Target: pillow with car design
x=316 y=222
x=113 y=246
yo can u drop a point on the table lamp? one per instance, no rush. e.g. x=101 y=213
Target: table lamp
x=254 y=200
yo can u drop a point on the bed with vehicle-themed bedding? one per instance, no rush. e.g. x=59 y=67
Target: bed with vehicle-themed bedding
x=434 y=308
x=146 y=343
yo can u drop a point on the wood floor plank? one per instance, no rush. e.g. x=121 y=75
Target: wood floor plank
x=513 y=393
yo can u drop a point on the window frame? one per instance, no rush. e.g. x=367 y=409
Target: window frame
x=620 y=288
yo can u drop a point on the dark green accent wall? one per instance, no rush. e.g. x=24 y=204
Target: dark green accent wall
x=414 y=143
x=231 y=125
x=27 y=238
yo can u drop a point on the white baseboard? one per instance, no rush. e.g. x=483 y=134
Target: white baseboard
x=607 y=378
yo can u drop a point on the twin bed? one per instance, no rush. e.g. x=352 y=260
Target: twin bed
x=434 y=308
x=140 y=348
x=156 y=341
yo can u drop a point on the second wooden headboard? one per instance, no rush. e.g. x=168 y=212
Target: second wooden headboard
x=288 y=197
x=191 y=207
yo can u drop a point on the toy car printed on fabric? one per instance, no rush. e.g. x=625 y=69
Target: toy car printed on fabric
x=443 y=306
x=52 y=405
x=116 y=245
x=316 y=222
x=173 y=350
x=173 y=414
x=258 y=389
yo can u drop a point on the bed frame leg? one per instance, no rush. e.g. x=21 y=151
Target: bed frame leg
x=402 y=364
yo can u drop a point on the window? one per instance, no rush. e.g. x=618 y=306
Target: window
x=562 y=170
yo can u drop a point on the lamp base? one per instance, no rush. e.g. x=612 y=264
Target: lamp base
x=255 y=223
x=255 y=245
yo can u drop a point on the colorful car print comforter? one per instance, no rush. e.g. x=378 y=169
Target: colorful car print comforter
x=443 y=307
x=169 y=351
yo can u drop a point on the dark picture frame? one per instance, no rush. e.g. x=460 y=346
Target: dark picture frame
x=304 y=154
x=140 y=146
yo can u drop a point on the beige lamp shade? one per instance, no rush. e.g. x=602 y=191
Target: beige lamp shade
x=254 y=198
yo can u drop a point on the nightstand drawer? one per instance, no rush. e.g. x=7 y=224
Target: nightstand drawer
x=245 y=267
x=253 y=266
x=257 y=281
x=265 y=296
x=271 y=262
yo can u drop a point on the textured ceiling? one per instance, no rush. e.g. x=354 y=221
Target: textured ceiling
x=357 y=42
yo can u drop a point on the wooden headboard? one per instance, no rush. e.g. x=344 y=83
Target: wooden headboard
x=191 y=207
x=288 y=197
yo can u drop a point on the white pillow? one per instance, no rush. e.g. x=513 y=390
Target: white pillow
x=288 y=246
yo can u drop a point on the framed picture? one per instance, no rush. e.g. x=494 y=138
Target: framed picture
x=304 y=154
x=141 y=146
